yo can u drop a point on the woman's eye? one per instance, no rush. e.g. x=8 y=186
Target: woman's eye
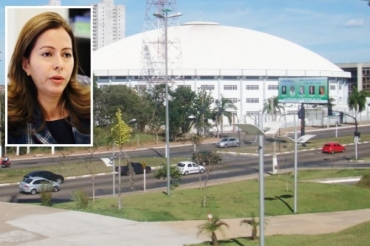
x=68 y=55
x=46 y=54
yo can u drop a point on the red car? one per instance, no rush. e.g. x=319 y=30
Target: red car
x=333 y=147
x=5 y=163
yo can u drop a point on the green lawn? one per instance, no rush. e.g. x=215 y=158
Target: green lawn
x=355 y=236
x=235 y=200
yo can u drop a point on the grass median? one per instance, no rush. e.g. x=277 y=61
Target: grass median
x=237 y=199
x=357 y=236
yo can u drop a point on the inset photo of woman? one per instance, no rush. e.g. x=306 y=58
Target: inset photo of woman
x=48 y=98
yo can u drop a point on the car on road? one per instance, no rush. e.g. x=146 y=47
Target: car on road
x=333 y=147
x=137 y=168
x=189 y=167
x=228 y=142
x=46 y=175
x=36 y=184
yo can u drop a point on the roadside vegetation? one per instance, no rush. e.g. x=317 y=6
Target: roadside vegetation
x=358 y=235
x=234 y=200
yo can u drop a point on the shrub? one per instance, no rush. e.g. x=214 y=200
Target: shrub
x=364 y=181
x=46 y=194
x=205 y=157
x=80 y=198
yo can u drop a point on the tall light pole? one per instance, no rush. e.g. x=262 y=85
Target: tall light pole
x=165 y=17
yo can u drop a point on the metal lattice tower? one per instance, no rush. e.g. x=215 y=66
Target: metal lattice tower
x=153 y=47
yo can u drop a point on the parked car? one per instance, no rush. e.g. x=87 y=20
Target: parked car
x=188 y=167
x=46 y=175
x=137 y=167
x=333 y=147
x=35 y=184
x=205 y=157
x=227 y=142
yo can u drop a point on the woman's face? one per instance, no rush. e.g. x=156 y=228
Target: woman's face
x=51 y=62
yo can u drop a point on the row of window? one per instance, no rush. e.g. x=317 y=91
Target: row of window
x=207 y=77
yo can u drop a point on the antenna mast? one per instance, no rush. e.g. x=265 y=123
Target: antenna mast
x=153 y=46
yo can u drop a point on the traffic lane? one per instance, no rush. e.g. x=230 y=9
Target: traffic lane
x=182 y=151
x=329 y=133
x=104 y=184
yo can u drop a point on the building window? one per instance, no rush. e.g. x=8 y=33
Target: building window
x=207 y=87
x=252 y=87
x=185 y=86
x=121 y=77
x=252 y=100
x=230 y=87
x=272 y=87
x=103 y=77
x=233 y=100
x=251 y=77
x=206 y=77
x=230 y=77
x=188 y=77
x=252 y=113
x=332 y=87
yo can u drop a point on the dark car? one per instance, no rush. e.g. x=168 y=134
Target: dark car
x=205 y=157
x=137 y=167
x=46 y=175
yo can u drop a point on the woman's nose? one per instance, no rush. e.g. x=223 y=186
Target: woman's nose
x=58 y=63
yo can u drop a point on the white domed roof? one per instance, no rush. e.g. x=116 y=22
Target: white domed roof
x=210 y=46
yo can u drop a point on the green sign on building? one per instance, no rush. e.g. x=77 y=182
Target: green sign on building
x=303 y=90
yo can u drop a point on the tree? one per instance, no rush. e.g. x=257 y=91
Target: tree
x=121 y=134
x=202 y=111
x=220 y=111
x=175 y=175
x=272 y=106
x=357 y=101
x=180 y=108
x=210 y=227
x=253 y=223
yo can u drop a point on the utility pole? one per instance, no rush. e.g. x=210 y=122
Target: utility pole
x=302 y=120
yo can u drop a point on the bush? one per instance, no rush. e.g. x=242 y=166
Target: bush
x=46 y=194
x=205 y=157
x=80 y=198
x=364 y=181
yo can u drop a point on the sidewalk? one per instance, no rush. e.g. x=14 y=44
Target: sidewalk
x=30 y=225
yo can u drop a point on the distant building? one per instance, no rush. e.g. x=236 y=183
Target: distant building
x=360 y=74
x=108 y=23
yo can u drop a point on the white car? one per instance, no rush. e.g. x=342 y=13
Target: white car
x=188 y=167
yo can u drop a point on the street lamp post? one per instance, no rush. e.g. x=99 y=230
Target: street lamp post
x=165 y=17
x=254 y=130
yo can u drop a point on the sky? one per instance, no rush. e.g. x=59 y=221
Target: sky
x=338 y=30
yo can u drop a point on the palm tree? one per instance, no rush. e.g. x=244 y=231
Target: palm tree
x=271 y=106
x=253 y=223
x=357 y=101
x=220 y=111
x=210 y=227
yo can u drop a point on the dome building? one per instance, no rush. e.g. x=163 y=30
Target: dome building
x=236 y=63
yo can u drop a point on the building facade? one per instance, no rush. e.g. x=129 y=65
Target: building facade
x=108 y=23
x=360 y=74
x=235 y=63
